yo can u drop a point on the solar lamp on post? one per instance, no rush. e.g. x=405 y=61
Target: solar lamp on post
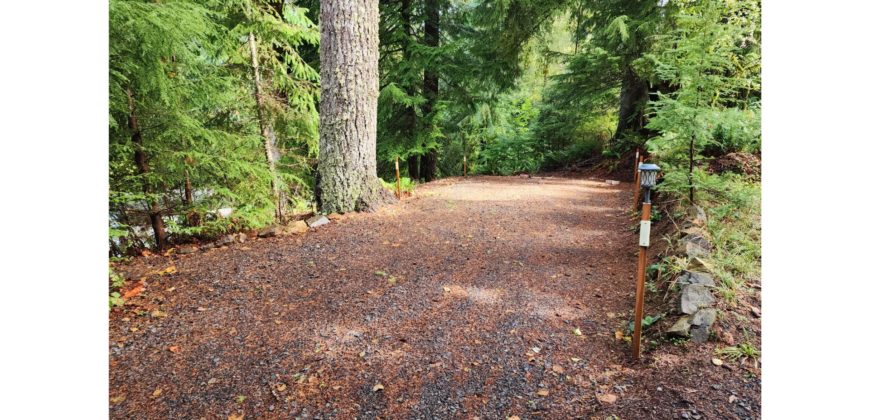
x=648 y=173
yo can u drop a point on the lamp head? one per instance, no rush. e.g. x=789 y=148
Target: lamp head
x=648 y=174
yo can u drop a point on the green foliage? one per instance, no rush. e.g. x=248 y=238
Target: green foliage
x=408 y=185
x=182 y=69
x=740 y=351
x=115 y=300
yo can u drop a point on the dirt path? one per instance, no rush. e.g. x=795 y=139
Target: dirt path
x=457 y=303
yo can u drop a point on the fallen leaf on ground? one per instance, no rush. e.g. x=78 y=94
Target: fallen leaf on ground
x=240 y=398
x=558 y=369
x=168 y=270
x=446 y=289
x=280 y=386
x=134 y=329
x=378 y=387
x=158 y=314
x=513 y=418
x=362 y=354
x=575 y=359
x=117 y=400
x=543 y=392
x=717 y=362
x=607 y=398
x=240 y=416
x=618 y=335
x=174 y=349
x=576 y=331
x=133 y=292
x=157 y=392
x=732 y=398
x=213 y=381
x=536 y=349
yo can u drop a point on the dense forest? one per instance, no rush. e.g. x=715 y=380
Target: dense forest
x=215 y=106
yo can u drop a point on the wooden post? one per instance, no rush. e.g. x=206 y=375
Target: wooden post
x=398 y=180
x=636 y=184
x=636 y=163
x=464 y=166
x=641 y=279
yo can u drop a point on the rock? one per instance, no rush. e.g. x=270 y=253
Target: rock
x=704 y=316
x=717 y=362
x=702 y=322
x=334 y=216
x=225 y=212
x=697 y=264
x=225 y=240
x=297 y=227
x=269 y=232
x=755 y=311
x=727 y=338
x=694 y=297
x=608 y=398
x=697 y=216
x=242 y=238
x=694 y=250
x=317 y=220
x=696 y=277
x=681 y=327
x=612 y=182
x=206 y=247
x=186 y=250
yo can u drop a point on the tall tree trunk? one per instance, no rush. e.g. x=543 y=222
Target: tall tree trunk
x=632 y=98
x=414 y=167
x=192 y=216
x=347 y=169
x=266 y=129
x=142 y=166
x=431 y=37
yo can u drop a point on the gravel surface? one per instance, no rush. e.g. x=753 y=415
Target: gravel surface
x=482 y=297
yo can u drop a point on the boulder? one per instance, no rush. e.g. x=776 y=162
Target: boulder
x=269 y=232
x=697 y=216
x=297 y=227
x=704 y=317
x=317 y=220
x=702 y=324
x=189 y=249
x=696 y=277
x=697 y=264
x=681 y=328
x=693 y=250
x=694 y=297
x=225 y=240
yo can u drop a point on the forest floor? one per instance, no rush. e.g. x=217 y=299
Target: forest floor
x=463 y=301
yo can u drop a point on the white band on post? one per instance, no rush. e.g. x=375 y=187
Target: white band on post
x=644 y=232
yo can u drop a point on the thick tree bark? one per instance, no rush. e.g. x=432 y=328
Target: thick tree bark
x=142 y=166
x=632 y=98
x=266 y=129
x=347 y=170
x=431 y=37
